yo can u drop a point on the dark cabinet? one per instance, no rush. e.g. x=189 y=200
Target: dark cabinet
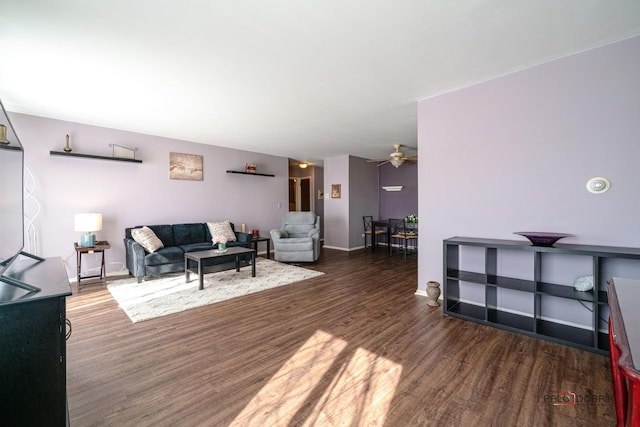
x=529 y=289
x=32 y=345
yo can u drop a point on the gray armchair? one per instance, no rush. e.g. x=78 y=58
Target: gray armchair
x=299 y=238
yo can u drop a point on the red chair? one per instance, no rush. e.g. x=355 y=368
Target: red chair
x=626 y=379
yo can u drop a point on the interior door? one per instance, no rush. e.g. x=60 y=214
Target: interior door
x=293 y=194
x=305 y=194
x=300 y=194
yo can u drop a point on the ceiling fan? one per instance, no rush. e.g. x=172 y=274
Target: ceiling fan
x=396 y=158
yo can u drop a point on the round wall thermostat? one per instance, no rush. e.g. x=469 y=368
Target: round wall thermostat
x=598 y=185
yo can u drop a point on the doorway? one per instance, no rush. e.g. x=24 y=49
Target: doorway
x=300 y=194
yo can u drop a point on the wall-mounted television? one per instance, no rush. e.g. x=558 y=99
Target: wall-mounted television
x=11 y=200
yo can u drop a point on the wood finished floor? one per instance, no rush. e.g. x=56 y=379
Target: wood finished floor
x=353 y=347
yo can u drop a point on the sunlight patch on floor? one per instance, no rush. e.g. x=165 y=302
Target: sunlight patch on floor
x=360 y=394
x=103 y=299
x=313 y=386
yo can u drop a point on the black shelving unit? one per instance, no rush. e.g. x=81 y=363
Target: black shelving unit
x=604 y=264
x=93 y=156
x=252 y=173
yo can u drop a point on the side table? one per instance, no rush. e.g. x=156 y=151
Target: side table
x=256 y=239
x=99 y=247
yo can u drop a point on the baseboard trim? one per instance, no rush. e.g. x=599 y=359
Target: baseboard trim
x=421 y=293
x=342 y=249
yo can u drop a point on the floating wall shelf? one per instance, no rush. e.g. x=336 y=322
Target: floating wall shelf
x=252 y=173
x=92 y=156
x=393 y=188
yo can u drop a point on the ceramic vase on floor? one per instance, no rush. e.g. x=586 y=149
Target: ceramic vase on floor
x=433 y=293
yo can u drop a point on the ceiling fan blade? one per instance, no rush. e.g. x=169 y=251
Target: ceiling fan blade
x=383 y=162
x=414 y=158
x=376 y=160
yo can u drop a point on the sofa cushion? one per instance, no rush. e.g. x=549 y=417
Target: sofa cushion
x=168 y=255
x=222 y=229
x=147 y=239
x=185 y=234
x=298 y=230
x=164 y=233
x=195 y=247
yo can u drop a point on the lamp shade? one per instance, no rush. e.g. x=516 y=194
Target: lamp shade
x=88 y=222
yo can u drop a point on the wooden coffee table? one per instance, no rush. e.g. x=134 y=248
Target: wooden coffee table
x=201 y=256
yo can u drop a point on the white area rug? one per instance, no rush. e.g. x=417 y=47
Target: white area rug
x=170 y=294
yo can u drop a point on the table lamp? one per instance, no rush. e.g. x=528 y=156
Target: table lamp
x=88 y=223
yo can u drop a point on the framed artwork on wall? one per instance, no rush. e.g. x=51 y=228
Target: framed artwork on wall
x=335 y=191
x=185 y=166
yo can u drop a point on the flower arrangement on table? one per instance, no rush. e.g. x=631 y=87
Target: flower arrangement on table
x=411 y=219
x=222 y=243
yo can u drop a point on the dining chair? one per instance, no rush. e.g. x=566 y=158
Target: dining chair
x=371 y=231
x=404 y=236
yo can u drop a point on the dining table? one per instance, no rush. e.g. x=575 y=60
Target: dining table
x=384 y=223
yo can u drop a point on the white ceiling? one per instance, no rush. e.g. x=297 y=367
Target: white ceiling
x=293 y=78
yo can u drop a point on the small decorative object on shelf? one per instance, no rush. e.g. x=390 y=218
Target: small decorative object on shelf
x=121 y=152
x=255 y=232
x=433 y=293
x=541 y=238
x=250 y=168
x=3 y=135
x=67 y=148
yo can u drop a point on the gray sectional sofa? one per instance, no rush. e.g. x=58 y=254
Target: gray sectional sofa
x=177 y=239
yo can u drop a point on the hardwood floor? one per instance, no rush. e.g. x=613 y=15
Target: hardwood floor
x=353 y=347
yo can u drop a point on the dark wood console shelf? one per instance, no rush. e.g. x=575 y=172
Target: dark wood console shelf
x=474 y=290
x=33 y=351
x=252 y=173
x=93 y=156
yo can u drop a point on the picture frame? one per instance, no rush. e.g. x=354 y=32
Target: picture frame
x=336 y=191
x=185 y=166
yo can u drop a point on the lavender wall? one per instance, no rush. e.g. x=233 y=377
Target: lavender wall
x=514 y=154
x=402 y=203
x=363 y=184
x=129 y=194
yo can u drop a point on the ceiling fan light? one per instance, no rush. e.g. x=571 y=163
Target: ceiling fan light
x=396 y=162
x=303 y=165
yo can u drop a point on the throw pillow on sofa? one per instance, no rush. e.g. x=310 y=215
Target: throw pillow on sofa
x=147 y=239
x=222 y=229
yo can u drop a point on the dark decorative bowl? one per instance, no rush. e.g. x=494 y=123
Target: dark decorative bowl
x=541 y=238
